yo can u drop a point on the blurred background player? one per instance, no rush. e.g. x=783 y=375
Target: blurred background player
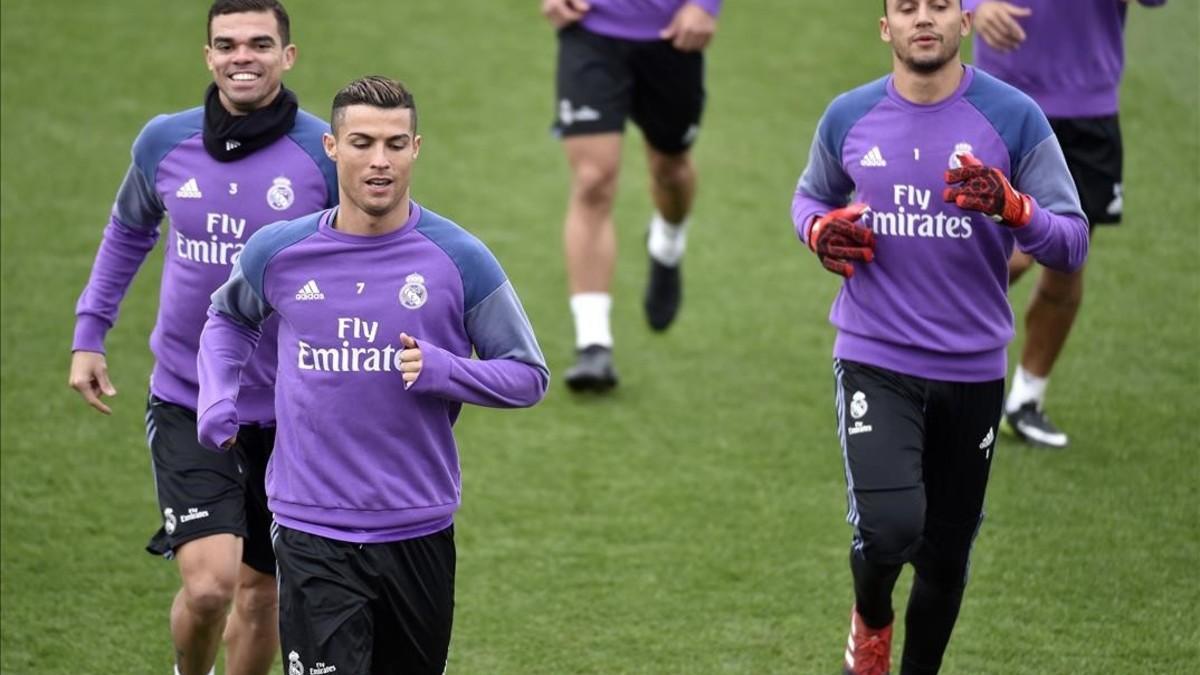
x=1068 y=57
x=957 y=168
x=246 y=158
x=641 y=59
x=382 y=304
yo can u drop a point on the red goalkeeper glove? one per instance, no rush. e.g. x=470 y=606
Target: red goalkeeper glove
x=838 y=241
x=985 y=189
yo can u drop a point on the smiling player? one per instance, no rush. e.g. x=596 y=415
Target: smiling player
x=246 y=158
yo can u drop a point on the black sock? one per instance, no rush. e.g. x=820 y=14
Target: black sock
x=932 y=611
x=873 y=586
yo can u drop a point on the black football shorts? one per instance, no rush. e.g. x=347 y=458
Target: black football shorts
x=202 y=492
x=603 y=80
x=1092 y=146
x=384 y=609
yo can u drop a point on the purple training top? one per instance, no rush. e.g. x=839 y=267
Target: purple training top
x=214 y=208
x=358 y=457
x=637 y=19
x=934 y=302
x=1072 y=57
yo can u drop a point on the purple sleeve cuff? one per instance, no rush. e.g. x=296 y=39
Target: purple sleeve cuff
x=712 y=6
x=436 y=364
x=495 y=383
x=1057 y=241
x=217 y=425
x=804 y=211
x=90 y=331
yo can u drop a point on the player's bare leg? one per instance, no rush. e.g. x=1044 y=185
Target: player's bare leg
x=673 y=189
x=590 y=243
x=1048 y=319
x=209 y=570
x=252 y=630
x=1049 y=316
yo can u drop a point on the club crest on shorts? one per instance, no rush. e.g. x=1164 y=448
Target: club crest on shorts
x=294 y=665
x=414 y=294
x=960 y=148
x=858 y=405
x=169 y=520
x=280 y=195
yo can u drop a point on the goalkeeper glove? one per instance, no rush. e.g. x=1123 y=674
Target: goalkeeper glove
x=837 y=240
x=985 y=189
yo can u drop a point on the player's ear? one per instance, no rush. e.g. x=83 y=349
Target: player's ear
x=416 y=145
x=964 y=28
x=885 y=31
x=208 y=58
x=330 y=144
x=289 y=57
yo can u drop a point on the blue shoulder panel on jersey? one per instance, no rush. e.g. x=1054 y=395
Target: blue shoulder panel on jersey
x=307 y=132
x=481 y=273
x=1019 y=121
x=845 y=111
x=161 y=135
x=270 y=240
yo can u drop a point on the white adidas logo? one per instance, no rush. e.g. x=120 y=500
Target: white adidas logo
x=986 y=443
x=873 y=158
x=189 y=190
x=231 y=145
x=310 y=291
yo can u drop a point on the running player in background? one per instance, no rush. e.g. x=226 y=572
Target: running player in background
x=1069 y=58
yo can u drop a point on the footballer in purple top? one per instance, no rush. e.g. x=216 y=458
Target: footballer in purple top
x=949 y=169
x=246 y=158
x=381 y=304
x=1068 y=57
x=619 y=60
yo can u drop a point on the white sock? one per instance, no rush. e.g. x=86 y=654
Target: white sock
x=211 y=671
x=667 y=241
x=591 y=319
x=1025 y=388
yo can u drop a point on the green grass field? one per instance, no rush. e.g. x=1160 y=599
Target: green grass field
x=693 y=521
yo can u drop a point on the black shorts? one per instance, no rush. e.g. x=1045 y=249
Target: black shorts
x=1092 y=146
x=602 y=80
x=202 y=492
x=917 y=454
x=365 y=608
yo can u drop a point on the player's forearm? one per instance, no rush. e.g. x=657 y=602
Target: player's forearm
x=225 y=347
x=495 y=383
x=1057 y=241
x=121 y=254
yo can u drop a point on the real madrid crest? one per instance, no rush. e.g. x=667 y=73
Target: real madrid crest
x=961 y=148
x=295 y=667
x=414 y=294
x=169 y=520
x=858 y=405
x=280 y=195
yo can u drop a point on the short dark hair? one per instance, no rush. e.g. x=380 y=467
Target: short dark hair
x=222 y=7
x=376 y=91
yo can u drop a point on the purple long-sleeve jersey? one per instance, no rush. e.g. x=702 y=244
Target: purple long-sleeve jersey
x=934 y=302
x=358 y=457
x=214 y=207
x=1072 y=58
x=638 y=19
